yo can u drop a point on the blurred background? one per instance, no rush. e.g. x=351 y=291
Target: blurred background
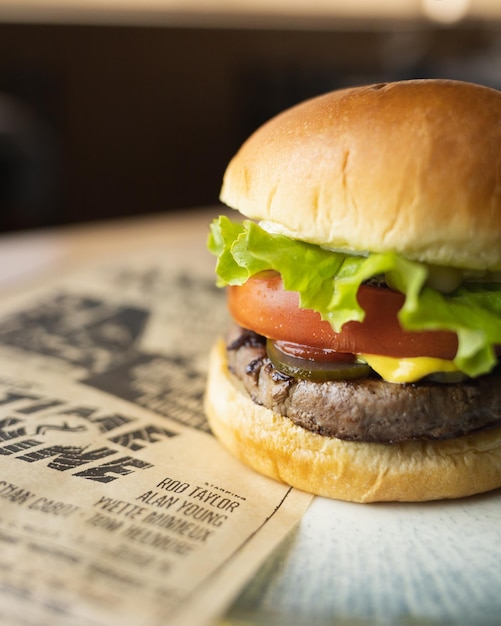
x=112 y=108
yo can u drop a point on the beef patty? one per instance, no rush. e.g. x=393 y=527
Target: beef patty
x=367 y=409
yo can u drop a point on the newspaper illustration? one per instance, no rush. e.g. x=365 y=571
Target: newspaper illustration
x=118 y=506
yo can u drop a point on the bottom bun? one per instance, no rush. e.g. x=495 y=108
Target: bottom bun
x=412 y=471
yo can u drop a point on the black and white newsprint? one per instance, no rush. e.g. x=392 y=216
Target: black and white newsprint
x=118 y=507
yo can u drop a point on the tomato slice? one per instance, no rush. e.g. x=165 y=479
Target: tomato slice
x=264 y=306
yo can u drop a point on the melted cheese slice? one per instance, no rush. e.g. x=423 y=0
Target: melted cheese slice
x=406 y=370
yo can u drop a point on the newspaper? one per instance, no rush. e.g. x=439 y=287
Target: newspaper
x=118 y=506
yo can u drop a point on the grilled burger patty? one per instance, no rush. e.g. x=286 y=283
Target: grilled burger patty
x=367 y=409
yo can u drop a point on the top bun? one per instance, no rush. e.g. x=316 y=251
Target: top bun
x=412 y=167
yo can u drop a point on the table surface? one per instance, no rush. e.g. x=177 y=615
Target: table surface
x=27 y=256
x=431 y=563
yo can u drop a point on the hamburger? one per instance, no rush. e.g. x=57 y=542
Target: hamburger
x=364 y=282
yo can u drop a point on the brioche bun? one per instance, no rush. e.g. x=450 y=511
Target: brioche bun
x=412 y=167
x=358 y=472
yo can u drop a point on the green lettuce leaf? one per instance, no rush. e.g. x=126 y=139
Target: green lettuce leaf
x=328 y=282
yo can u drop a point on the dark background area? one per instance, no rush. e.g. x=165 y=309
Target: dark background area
x=101 y=122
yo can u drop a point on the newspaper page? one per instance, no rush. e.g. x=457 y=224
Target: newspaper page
x=118 y=506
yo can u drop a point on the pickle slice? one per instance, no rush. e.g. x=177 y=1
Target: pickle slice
x=447 y=377
x=316 y=371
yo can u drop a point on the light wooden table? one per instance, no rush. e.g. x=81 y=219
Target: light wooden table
x=30 y=256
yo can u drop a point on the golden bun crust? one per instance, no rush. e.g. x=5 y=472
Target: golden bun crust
x=412 y=166
x=358 y=472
